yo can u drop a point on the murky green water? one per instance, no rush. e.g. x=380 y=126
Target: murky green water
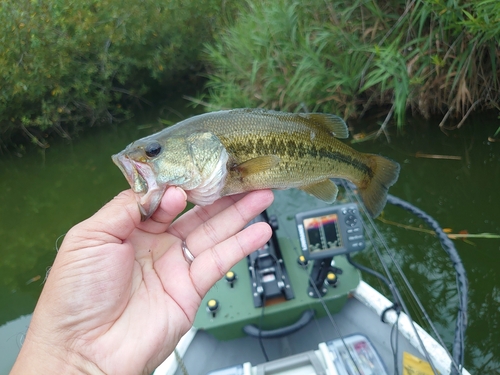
x=43 y=195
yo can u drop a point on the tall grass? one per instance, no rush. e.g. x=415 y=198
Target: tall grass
x=431 y=57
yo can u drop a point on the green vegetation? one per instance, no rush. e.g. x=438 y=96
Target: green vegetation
x=429 y=56
x=66 y=63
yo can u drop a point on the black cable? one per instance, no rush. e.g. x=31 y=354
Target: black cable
x=349 y=188
x=396 y=306
x=325 y=307
x=334 y=324
x=395 y=298
x=462 y=282
x=261 y=343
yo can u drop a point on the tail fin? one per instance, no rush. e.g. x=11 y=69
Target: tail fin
x=374 y=191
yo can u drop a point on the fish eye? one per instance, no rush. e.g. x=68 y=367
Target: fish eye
x=152 y=149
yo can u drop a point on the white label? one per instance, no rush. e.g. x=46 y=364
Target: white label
x=302 y=237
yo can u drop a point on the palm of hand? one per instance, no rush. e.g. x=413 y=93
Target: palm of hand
x=120 y=295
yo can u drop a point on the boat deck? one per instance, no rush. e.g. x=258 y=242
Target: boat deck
x=206 y=353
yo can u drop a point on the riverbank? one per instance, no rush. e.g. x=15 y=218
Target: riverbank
x=428 y=58
x=68 y=67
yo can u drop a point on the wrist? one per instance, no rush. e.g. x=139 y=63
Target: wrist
x=40 y=358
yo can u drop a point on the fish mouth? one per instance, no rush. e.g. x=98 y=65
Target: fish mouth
x=142 y=180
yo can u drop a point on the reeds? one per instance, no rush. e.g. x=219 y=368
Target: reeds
x=432 y=57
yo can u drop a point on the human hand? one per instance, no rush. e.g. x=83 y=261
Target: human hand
x=120 y=294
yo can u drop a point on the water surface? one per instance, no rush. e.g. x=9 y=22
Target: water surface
x=44 y=194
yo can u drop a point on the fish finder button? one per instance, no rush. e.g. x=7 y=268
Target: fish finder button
x=351 y=220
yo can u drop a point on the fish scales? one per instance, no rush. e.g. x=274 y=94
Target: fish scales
x=248 y=138
x=229 y=152
x=291 y=141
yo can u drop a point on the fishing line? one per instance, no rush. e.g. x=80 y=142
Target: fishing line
x=395 y=343
x=350 y=193
x=435 y=226
x=57 y=250
x=57 y=242
x=180 y=362
x=461 y=280
x=419 y=303
x=323 y=304
x=396 y=307
x=47 y=272
x=334 y=323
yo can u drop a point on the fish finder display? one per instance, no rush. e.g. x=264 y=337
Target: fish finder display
x=322 y=233
x=330 y=231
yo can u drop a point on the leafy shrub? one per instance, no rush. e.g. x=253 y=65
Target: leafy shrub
x=65 y=63
x=429 y=56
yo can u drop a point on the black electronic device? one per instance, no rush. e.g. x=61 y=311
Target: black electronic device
x=268 y=274
x=330 y=231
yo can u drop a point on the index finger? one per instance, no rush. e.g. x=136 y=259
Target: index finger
x=216 y=229
x=197 y=216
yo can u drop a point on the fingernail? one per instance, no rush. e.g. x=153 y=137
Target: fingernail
x=182 y=191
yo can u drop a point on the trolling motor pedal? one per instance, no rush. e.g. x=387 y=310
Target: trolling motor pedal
x=268 y=275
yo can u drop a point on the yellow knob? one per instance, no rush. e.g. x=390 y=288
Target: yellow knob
x=230 y=276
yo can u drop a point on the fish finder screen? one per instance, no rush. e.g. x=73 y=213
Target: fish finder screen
x=322 y=233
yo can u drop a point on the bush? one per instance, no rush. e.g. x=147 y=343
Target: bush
x=345 y=57
x=65 y=63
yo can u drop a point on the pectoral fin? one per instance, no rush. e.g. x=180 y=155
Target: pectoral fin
x=325 y=190
x=256 y=165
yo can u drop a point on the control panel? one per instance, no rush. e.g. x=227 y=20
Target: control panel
x=277 y=288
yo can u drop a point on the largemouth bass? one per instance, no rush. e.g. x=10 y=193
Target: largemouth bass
x=229 y=152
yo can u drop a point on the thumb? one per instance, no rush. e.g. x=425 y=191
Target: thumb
x=113 y=223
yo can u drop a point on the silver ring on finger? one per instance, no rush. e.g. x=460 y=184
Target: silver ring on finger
x=188 y=255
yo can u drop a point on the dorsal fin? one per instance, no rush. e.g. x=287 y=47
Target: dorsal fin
x=325 y=121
